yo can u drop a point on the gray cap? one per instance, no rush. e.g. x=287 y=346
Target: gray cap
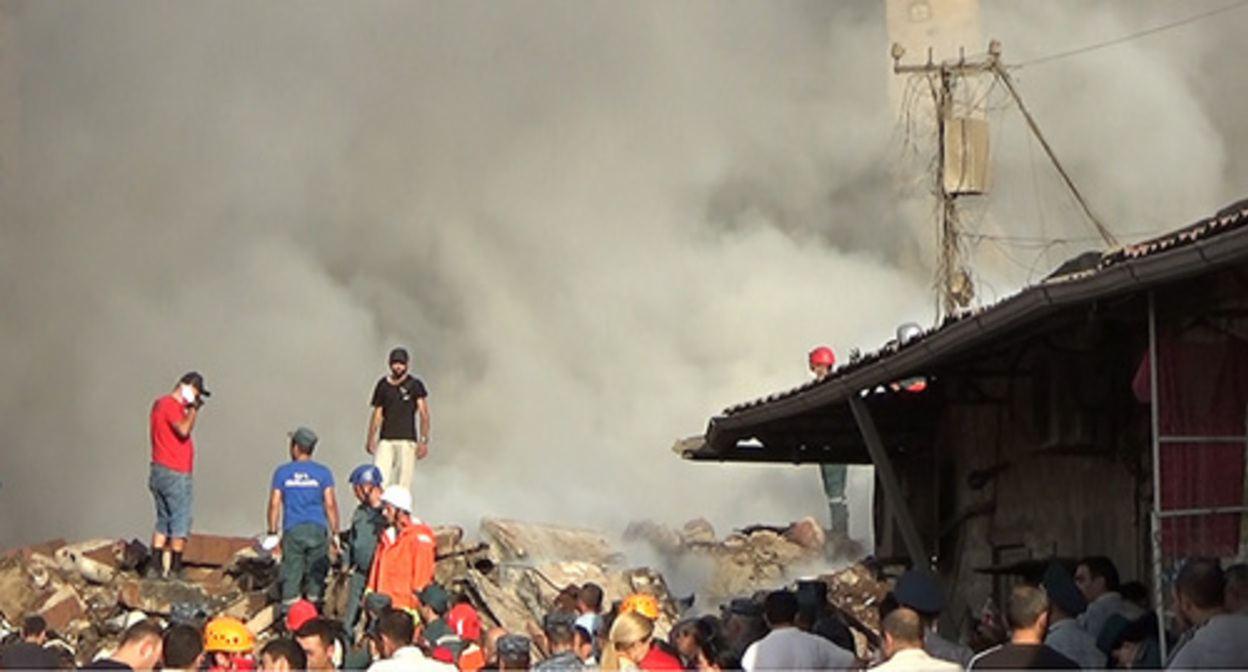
x=304 y=438
x=513 y=645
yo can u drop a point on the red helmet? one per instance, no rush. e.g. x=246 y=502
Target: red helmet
x=822 y=356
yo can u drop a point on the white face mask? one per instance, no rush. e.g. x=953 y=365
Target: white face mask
x=187 y=393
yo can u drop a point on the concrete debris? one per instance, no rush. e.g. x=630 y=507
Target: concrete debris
x=518 y=572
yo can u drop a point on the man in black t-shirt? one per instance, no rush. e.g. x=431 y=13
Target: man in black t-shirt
x=394 y=443
x=28 y=653
x=1028 y=616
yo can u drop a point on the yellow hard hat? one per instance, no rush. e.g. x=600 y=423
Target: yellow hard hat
x=228 y=634
x=642 y=603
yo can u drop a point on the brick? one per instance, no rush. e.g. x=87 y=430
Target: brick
x=47 y=548
x=211 y=550
x=61 y=607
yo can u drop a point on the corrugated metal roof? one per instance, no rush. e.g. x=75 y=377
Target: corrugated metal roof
x=1132 y=262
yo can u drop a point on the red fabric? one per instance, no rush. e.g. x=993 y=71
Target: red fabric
x=403 y=564
x=168 y=448
x=465 y=621
x=658 y=659
x=1202 y=381
x=300 y=612
x=471 y=659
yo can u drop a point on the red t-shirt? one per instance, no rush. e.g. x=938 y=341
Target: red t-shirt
x=168 y=448
x=658 y=659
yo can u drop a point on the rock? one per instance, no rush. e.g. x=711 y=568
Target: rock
x=17 y=592
x=61 y=607
x=159 y=597
x=210 y=550
x=664 y=539
x=263 y=620
x=807 y=534
x=73 y=560
x=698 y=532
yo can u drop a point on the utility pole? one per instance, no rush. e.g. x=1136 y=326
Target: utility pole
x=962 y=161
x=961 y=166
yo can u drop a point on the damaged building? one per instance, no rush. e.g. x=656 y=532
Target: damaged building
x=1099 y=411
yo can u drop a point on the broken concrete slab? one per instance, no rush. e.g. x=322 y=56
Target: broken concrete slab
x=61 y=607
x=211 y=550
x=158 y=597
x=17 y=592
x=520 y=541
x=73 y=560
x=807 y=533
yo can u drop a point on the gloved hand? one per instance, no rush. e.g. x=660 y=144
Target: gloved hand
x=270 y=542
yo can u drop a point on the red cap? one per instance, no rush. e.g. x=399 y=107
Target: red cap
x=465 y=621
x=300 y=612
x=822 y=355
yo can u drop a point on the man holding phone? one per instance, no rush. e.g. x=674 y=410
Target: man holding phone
x=173 y=454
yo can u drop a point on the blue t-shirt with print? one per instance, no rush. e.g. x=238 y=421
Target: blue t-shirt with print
x=302 y=483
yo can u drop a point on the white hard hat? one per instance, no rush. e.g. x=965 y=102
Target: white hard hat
x=397 y=496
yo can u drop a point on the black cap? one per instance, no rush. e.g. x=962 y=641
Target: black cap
x=1062 y=590
x=196 y=381
x=920 y=591
x=744 y=606
x=398 y=355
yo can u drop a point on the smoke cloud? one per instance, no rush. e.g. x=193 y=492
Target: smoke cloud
x=593 y=224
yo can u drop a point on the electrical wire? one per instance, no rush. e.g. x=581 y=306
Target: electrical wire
x=1135 y=36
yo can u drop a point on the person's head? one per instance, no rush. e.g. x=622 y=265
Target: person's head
x=559 y=627
x=631 y=634
x=299 y=612
x=821 y=360
x=920 y=590
x=434 y=601
x=1236 y=595
x=902 y=629
x=398 y=362
x=780 y=608
x=35 y=629
x=1027 y=613
x=225 y=639
x=1096 y=575
x=514 y=652
x=366 y=484
x=190 y=388
x=141 y=645
x=183 y=647
x=465 y=621
x=302 y=443
x=395 y=629
x=643 y=603
x=1065 y=599
x=1136 y=593
x=318 y=638
x=1200 y=590
x=697 y=640
x=396 y=504
x=283 y=655
x=589 y=598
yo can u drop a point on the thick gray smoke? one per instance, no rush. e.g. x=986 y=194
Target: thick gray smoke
x=594 y=224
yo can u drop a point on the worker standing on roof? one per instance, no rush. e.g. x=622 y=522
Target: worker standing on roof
x=172 y=418
x=302 y=499
x=403 y=562
x=834 y=475
x=361 y=539
x=398 y=399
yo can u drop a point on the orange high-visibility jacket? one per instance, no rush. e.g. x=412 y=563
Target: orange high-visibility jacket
x=403 y=563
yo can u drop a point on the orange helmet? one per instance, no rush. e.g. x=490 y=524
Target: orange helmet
x=822 y=356
x=642 y=603
x=228 y=634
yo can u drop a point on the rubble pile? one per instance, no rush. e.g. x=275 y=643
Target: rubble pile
x=89 y=592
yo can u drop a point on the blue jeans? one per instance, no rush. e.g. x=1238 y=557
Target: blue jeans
x=172 y=492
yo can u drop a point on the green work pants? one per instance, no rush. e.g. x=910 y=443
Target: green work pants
x=305 y=564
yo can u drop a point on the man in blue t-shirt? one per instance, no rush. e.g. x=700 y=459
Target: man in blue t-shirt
x=302 y=499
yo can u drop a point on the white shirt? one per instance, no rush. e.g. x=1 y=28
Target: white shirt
x=1072 y=641
x=1100 y=609
x=787 y=648
x=939 y=647
x=917 y=660
x=410 y=658
x=1222 y=642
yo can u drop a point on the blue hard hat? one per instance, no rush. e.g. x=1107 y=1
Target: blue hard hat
x=366 y=473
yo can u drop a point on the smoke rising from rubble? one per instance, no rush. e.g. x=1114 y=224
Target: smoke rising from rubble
x=593 y=224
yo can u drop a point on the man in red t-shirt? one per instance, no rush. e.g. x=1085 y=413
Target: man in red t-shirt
x=173 y=453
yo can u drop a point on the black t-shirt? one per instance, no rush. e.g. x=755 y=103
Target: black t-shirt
x=398 y=406
x=1022 y=657
x=106 y=664
x=27 y=656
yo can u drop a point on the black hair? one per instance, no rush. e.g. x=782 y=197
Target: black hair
x=1103 y=567
x=397 y=625
x=780 y=607
x=182 y=645
x=34 y=625
x=144 y=629
x=1027 y=604
x=591 y=595
x=287 y=649
x=321 y=628
x=1201 y=581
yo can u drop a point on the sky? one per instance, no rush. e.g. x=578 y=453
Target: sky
x=594 y=225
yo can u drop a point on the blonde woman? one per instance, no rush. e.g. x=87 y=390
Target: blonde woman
x=632 y=640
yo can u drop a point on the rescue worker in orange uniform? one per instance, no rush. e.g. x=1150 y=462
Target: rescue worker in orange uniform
x=403 y=561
